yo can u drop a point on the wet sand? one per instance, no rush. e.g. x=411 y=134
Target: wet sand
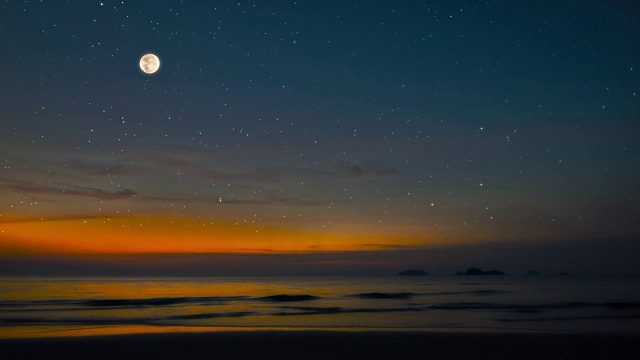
x=325 y=345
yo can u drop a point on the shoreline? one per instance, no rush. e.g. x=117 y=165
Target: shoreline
x=325 y=344
x=26 y=332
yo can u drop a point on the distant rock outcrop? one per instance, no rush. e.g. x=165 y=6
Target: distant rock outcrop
x=476 y=271
x=412 y=273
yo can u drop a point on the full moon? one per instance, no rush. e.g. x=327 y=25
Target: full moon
x=149 y=63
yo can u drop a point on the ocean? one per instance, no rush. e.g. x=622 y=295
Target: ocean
x=45 y=306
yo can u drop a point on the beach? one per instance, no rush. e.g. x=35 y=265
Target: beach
x=325 y=345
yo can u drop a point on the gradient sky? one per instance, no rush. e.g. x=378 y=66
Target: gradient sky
x=330 y=134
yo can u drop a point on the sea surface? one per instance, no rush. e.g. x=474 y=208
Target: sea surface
x=32 y=306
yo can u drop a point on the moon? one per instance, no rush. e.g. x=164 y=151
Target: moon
x=149 y=63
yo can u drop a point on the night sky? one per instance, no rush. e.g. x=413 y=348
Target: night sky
x=319 y=136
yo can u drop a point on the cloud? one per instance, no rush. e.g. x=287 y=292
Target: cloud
x=199 y=167
x=274 y=174
x=372 y=168
x=273 y=199
x=96 y=167
x=263 y=174
x=349 y=169
x=176 y=162
x=292 y=200
x=33 y=188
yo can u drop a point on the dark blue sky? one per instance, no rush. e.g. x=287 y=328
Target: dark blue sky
x=442 y=122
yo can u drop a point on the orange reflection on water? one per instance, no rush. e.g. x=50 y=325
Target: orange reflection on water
x=79 y=306
x=25 y=332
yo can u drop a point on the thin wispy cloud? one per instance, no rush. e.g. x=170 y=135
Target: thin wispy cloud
x=272 y=199
x=199 y=167
x=101 y=167
x=34 y=188
x=371 y=168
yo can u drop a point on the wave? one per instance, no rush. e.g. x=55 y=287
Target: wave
x=409 y=295
x=497 y=306
x=162 y=301
x=379 y=295
x=288 y=298
x=60 y=316
x=622 y=305
x=53 y=305
x=569 y=318
x=534 y=307
x=520 y=308
x=338 y=310
x=24 y=303
x=38 y=305
x=73 y=321
x=70 y=305
x=300 y=310
x=135 y=302
x=112 y=303
x=211 y=315
x=472 y=292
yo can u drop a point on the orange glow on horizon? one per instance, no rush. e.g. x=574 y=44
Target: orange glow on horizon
x=124 y=235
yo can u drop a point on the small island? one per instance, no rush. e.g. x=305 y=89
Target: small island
x=476 y=271
x=412 y=273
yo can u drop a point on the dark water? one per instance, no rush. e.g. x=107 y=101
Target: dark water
x=546 y=303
